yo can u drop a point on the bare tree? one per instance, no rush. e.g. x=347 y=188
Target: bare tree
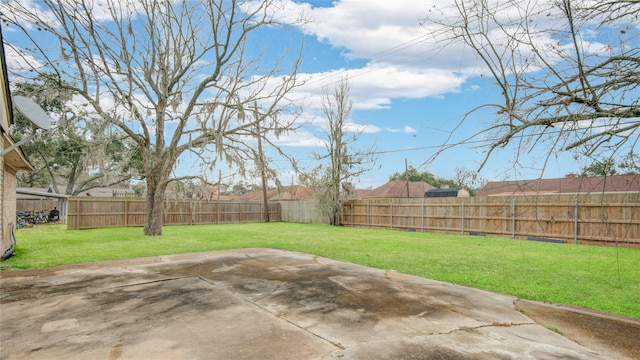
x=343 y=162
x=467 y=178
x=563 y=88
x=174 y=76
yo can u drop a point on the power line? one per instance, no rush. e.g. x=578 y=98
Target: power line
x=489 y=141
x=472 y=142
x=499 y=7
x=375 y=58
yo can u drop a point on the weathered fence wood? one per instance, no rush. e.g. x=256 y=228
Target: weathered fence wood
x=94 y=212
x=306 y=212
x=36 y=204
x=610 y=219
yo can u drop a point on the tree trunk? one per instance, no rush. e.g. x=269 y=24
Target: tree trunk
x=155 y=205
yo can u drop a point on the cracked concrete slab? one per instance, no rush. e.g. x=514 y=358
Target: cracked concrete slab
x=260 y=304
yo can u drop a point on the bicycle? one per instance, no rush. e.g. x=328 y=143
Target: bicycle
x=23 y=220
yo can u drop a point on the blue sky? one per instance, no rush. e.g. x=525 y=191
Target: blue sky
x=409 y=94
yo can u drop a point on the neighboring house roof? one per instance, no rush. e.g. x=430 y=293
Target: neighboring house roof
x=396 y=189
x=24 y=192
x=215 y=193
x=567 y=185
x=32 y=193
x=37 y=194
x=106 y=192
x=296 y=192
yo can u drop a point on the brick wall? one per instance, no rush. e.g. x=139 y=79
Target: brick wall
x=8 y=206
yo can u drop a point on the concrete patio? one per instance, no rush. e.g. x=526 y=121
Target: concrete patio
x=264 y=304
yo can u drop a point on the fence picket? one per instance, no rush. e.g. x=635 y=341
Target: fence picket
x=86 y=213
x=606 y=219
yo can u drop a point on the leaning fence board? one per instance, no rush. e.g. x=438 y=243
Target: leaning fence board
x=610 y=219
x=304 y=211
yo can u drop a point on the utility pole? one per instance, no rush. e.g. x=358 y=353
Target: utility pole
x=406 y=174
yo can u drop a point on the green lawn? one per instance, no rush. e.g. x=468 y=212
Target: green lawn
x=596 y=277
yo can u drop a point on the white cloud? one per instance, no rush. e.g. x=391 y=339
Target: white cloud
x=345 y=26
x=361 y=128
x=406 y=59
x=299 y=138
x=18 y=61
x=409 y=130
x=375 y=85
x=403 y=60
x=33 y=7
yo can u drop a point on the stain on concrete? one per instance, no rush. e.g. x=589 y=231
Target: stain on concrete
x=260 y=304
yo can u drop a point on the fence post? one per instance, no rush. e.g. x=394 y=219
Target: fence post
x=575 y=221
x=391 y=214
x=351 y=210
x=513 y=218
x=462 y=216
x=422 y=217
x=368 y=216
x=78 y=214
x=126 y=212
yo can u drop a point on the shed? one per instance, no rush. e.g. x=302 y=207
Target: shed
x=446 y=192
x=63 y=200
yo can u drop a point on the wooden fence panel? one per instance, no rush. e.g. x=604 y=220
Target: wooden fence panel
x=591 y=218
x=610 y=219
x=36 y=204
x=86 y=213
x=305 y=212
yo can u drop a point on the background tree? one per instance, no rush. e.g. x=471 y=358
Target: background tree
x=469 y=180
x=175 y=77
x=600 y=168
x=464 y=178
x=342 y=161
x=630 y=164
x=414 y=175
x=75 y=155
x=627 y=165
x=567 y=70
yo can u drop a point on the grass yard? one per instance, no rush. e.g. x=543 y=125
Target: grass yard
x=595 y=277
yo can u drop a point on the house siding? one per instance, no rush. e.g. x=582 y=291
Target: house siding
x=8 y=206
x=11 y=162
x=2 y=209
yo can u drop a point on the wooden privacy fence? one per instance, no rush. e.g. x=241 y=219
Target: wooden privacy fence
x=302 y=211
x=93 y=212
x=36 y=204
x=611 y=219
